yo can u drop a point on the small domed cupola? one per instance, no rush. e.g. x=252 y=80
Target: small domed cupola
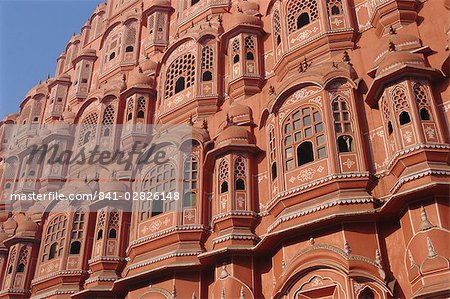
x=10 y=226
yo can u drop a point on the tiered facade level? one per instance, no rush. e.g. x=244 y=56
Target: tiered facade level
x=320 y=166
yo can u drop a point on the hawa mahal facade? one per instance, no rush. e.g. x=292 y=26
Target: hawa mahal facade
x=319 y=166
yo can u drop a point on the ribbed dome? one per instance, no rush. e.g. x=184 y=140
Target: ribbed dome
x=395 y=59
x=240 y=113
x=137 y=78
x=233 y=135
x=247 y=13
x=148 y=65
x=26 y=225
x=404 y=42
x=89 y=52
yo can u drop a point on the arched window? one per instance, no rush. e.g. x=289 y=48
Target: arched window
x=101 y=218
x=190 y=176
x=23 y=259
x=88 y=128
x=404 y=118
x=401 y=106
x=112 y=55
x=240 y=172
x=113 y=224
x=207 y=76
x=76 y=234
x=75 y=247
x=224 y=187
x=141 y=108
x=277 y=27
x=160 y=179
x=180 y=85
x=250 y=48
x=334 y=7
x=54 y=238
x=236 y=48
x=130 y=109
x=193 y=2
x=12 y=257
x=341 y=115
x=345 y=144
x=302 y=20
x=301 y=13
x=422 y=102
x=130 y=37
x=20 y=268
x=52 y=252
x=274 y=170
x=304 y=124
x=305 y=153
x=108 y=120
x=367 y=293
x=207 y=63
x=100 y=234
x=390 y=129
x=240 y=184
x=223 y=176
x=112 y=233
x=424 y=114
x=180 y=74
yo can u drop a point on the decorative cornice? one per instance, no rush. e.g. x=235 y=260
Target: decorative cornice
x=318 y=182
x=319 y=208
x=235 y=213
x=53 y=293
x=166 y=232
x=235 y=237
x=415 y=148
x=163 y=257
x=58 y=273
x=416 y=176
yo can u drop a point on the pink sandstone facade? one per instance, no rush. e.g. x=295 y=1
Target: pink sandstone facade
x=320 y=159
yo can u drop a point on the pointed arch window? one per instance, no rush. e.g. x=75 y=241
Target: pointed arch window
x=223 y=176
x=276 y=27
x=101 y=224
x=422 y=102
x=303 y=137
x=236 y=49
x=141 y=108
x=250 y=48
x=54 y=238
x=334 y=7
x=240 y=172
x=342 y=125
x=130 y=109
x=401 y=106
x=108 y=120
x=113 y=224
x=23 y=259
x=367 y=293
x=88 y=129
x=301 y=13
x=180 y=75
